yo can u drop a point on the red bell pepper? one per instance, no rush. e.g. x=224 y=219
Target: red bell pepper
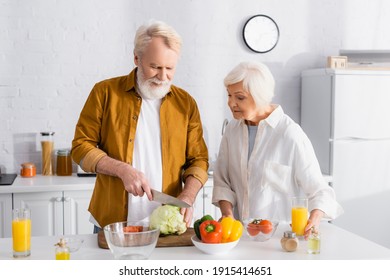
x=211 y=231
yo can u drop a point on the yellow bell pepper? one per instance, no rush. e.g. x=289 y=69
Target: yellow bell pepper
x=231 y=229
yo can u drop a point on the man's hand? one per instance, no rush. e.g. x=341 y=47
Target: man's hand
x=134 y=181
x=190 y=190
x=187 y=212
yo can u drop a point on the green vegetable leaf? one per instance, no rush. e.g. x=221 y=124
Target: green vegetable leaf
x=168 y=219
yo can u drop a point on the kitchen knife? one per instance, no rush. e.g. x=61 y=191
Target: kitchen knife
x=167 y=199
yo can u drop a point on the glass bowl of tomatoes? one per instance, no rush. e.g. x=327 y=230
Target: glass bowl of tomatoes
x=131 y=240
x=260 y=229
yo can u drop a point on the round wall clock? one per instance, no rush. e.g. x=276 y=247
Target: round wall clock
x=261 y=33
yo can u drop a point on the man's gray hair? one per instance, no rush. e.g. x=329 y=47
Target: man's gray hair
x=153 y=28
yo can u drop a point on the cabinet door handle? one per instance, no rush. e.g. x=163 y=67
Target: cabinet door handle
x=67 y=199
x=58 y=199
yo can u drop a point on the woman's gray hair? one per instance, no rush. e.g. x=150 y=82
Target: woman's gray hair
x=146 y=32
x=257 y=79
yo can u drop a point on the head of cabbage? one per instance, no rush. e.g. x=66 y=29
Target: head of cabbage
x=168 y=219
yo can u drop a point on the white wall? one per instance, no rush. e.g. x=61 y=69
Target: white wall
x=52 y=52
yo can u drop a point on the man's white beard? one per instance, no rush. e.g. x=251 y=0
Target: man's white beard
x=149 y=89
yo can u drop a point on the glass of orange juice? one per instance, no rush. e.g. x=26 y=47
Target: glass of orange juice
x=21 y=232
x=299 y=215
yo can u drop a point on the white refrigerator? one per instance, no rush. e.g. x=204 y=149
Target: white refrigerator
x=346 y=115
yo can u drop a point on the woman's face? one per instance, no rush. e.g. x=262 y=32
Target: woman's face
x=241 y=103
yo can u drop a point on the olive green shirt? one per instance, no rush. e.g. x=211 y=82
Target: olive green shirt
x=107 y=126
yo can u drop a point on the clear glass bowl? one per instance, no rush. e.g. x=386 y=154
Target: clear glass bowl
x=74 y=244
x=260 y=232
x=131 y=245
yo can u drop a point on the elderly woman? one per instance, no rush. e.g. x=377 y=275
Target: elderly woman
x=265 y=158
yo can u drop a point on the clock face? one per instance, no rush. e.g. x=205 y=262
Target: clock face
x=261 y=33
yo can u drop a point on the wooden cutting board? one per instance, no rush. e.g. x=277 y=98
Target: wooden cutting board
x=163 y=241
x=177 y=240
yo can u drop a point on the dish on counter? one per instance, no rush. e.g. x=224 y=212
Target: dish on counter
x=213 y=248
x=260 y=229
x=74 y=244
x=126 y=244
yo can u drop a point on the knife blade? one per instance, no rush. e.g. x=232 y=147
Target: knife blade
x=168 y=199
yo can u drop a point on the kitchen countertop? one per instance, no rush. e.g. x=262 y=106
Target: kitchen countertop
x=41 y=183
x=336 y=244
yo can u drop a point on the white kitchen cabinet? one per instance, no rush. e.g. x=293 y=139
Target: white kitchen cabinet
x=57 y=212
x=5 y=215
x=46 y=211
x=76 y=215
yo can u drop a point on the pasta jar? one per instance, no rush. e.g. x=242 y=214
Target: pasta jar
x=47 y=143
x=28 y=170
x=64 y=163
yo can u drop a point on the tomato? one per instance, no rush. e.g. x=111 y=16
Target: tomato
x=259 y=225
x=253 y=229
x=133 y=229
x=266 y=226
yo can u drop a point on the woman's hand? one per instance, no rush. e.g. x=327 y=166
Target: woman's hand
x=226 y=209
x=313 y=222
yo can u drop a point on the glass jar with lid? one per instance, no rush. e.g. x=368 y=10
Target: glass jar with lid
x=64 y=163
x=28 y=170
x=47 y=143
x=289 y=241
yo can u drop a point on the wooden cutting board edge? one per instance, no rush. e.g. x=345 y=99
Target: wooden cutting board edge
x=176 y=240
x=163 y=241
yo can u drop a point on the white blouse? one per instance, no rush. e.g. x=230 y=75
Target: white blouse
x=282 y=165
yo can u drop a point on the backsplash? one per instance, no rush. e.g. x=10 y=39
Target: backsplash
x=53 y=52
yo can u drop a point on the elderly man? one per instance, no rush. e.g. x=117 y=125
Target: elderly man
x=139 y=132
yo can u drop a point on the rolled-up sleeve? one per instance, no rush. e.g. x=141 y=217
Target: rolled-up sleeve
x=196 y=150
x=87 y=134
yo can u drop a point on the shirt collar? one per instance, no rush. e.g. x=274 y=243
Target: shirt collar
x=130 y=81
x=273 y=119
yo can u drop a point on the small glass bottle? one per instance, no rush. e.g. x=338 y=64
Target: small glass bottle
x=314 y=242
x=64 y=163
x=47 y=143
x=62 y=251
x=289 y=241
